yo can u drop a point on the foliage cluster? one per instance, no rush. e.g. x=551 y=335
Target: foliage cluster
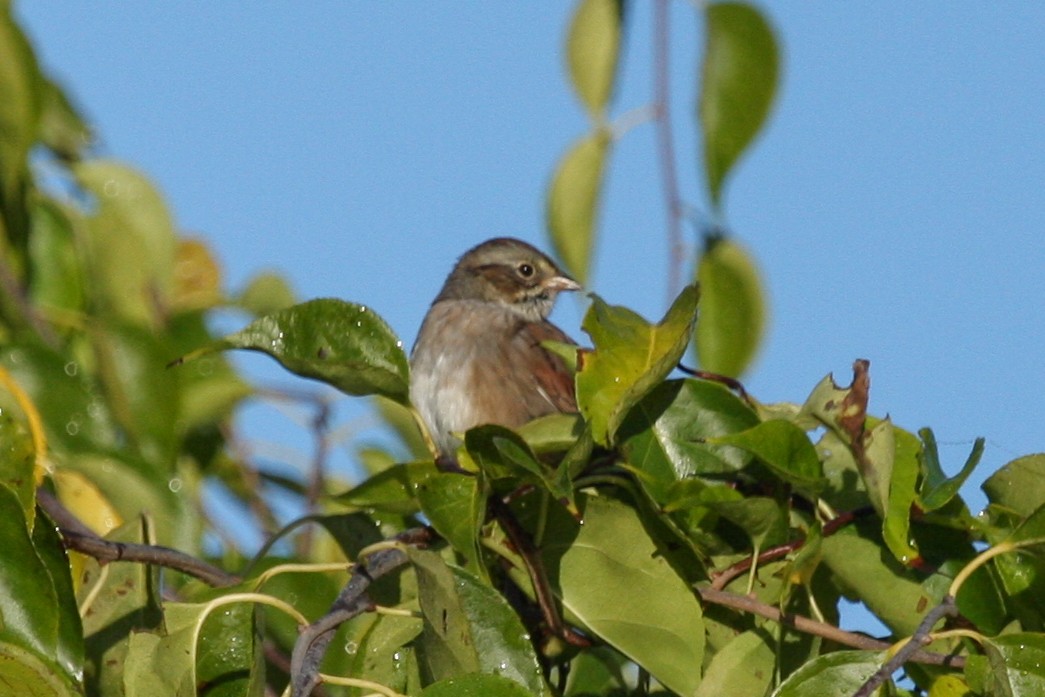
x=677 y=536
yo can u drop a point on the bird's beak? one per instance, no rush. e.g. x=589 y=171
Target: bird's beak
x=561 y=283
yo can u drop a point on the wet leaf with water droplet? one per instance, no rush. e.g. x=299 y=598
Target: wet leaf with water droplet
x=333 y=341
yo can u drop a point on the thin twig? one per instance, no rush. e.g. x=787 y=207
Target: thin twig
x=665 y=143
x=76 y=535
x=312 y=643
x=907 y=652
x=722 y=579
x=746 y=603
x=317 y=476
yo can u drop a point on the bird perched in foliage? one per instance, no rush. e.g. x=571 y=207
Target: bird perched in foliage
x=478 y=358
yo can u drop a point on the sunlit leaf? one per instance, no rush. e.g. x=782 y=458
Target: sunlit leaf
x=742 y=668
x=903 y=477
x=476 y=685
x=732 y=309
x=197 y=276
x=1017 y=664
x=784 y=447
x=455 y=505
x=393 y=490
x=668 y=436
x=573 y=201
x=838 y=674
x=592 y=47
x=937 y=488
x=627 y=593
x=342 y=344
x=738 y=81
x=1018 y=485
x=470 y=628
x=631 y=356
x=499 y=452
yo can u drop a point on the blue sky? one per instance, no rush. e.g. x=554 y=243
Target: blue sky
x=895 y=202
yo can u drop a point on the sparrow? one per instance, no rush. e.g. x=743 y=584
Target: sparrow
x=478 y=357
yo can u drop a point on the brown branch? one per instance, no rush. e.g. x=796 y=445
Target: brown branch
x=822 y=629
x=531 y=557
x=353 y=600
x=731 y=383
x=665 y=142
x=77 y=536
x=908 y=652
x=721 y=580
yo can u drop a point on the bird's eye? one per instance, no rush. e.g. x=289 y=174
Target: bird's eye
x=525 y=270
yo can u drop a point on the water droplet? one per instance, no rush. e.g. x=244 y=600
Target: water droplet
x=399 y=344
x=351 y=647
x=359 y=323
x=362 y=308
x=174 y=485
x=616 y=379
x=71 y=369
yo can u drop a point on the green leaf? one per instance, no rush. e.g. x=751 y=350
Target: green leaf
x=469 y=627
x=553 y=433
x=31 y=674
x=56 y=277
x=62 y=128
x=130 y=240
x=266 y=292
x=476 y=685
x=630 y=357
x=455 y=505
x=196 y=645
x=1017 y=664
x=742 y=668
x=784 y=447
x=502 y=453
x=342 y=344
x=573 y=200
x=117 y=600
x=896 y=524
x=49 y=547
x=867 y=572
x=592 y=47
x=668 y=436
x=627 y=593
x=762 y=519
x=738 y=82
x=393 y=490
x=1018 y=486
x=18 y=463
x=28 y=600
x=838 y=674
x=937 y=488
x=732 y=308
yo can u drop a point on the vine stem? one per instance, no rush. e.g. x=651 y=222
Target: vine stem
x=666 y=143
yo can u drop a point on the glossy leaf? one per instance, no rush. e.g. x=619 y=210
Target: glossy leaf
x=903 y=478
x=470 y=628
x=573 y=201
x=1018 y=486
x=195 y=645
x=455 y=505
x=784 y=447
x=631 y=356
x=592 y=47
x=393 y=490
x=667 y=437
x=1017 y=664
x=738 y=82
x=69 y=653
x=627 y=594
x=342 y=344
x=732 y=309
x=500 y=452
x=28 y=600
x=476 y=685
x=838 y=674
x=32 y=676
